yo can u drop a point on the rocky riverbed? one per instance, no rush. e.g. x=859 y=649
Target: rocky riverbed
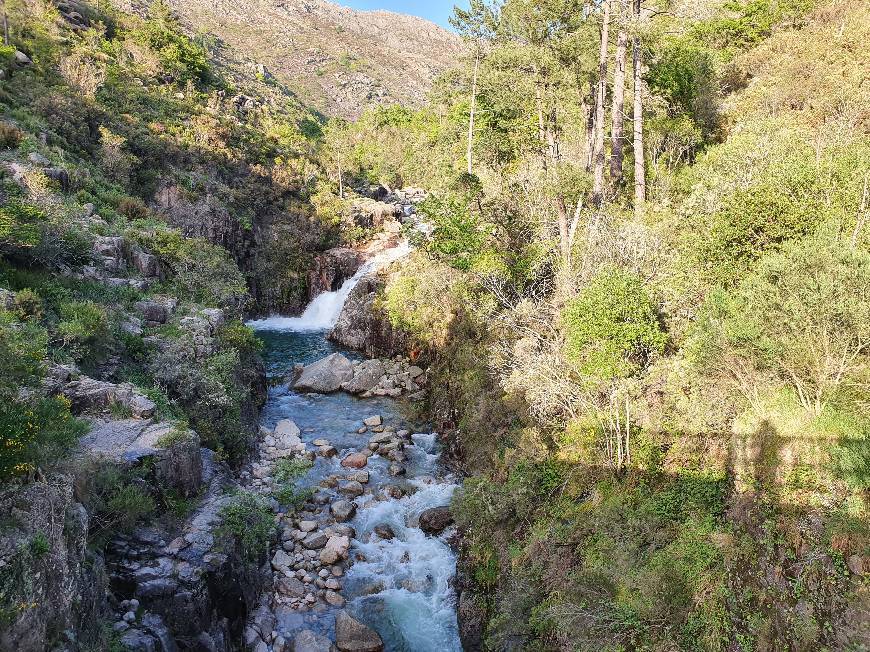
x=363 y=560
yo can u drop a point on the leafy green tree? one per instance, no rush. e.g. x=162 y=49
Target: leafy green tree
x=612 y=327
x=802 y=317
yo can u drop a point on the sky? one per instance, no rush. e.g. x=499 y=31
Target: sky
x=438 y=11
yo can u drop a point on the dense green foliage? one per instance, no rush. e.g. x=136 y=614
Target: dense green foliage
x=661 y=404
x=248 y=522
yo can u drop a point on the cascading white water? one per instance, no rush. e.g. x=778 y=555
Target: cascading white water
x=323 y=312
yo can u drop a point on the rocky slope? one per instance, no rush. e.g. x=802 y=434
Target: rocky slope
x=337 y=59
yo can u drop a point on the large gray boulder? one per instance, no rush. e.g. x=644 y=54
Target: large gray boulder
x=89 y=395
x=326 y=375
x=366 y=375
x=352 y=636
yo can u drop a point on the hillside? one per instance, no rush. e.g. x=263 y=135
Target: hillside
x=338 y=60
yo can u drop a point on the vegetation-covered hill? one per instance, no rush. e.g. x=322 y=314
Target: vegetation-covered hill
x=338 y=60
x=647 y=296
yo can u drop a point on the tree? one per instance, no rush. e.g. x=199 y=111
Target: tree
x=802 y=318
x=600 y=96
x=476 y=25
x=637 y=143
x=618 y=115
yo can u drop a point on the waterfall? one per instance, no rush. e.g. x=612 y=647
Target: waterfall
x=322 y=313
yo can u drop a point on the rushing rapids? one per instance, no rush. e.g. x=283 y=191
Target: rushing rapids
x=397 y=579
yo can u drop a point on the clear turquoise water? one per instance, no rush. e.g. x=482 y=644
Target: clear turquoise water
x=401 y=587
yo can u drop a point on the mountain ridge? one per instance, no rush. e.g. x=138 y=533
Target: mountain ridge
x=337 y=59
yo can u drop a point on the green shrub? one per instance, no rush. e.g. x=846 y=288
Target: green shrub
x=28 y=305
x=179 y=56
x=247 y=520
x=21 y=225
x=236 y=335
x=132 y=208
x=117 y=498
x=287 y=470
x=612 y=328
x=84 y=330
x=796 y=318
x=34 y=431
x=289 y=496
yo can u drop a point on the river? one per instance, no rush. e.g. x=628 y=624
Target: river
x=400 y=586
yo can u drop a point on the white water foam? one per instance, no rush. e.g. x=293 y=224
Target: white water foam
x=323 y=312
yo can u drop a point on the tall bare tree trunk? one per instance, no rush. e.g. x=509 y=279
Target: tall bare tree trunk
x=473 y=109
x=639 y=162
x=616 y=135
x=590 y=126
x=564 y=238
x=601 y=93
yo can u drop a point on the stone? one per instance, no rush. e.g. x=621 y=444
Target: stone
x=396 y=469
x=22 y=59
x=366 y=376
x=287 y=427
x=336 y=549
x=326 y=375
x=351 y=488
x=281 y=561
x=415 y=372
x=291 y=586
x=333 y=584
x=343 y=510
x=38 y=159
x=435 y=520
x=355 y=461
x=374 y=420
x=360 y=476
x=353 y=636
x=145 y=263
x=307 y=526
x=308 y=641
x=327 y=451
x=334 y=598
x=315 y=541
x=156 y=312
x=384 y=531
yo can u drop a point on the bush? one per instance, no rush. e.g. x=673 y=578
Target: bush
x=10 y=136
x=247 y=520
x=180 y=58
x=21 y=225
x=797 y=320
x=28 y=305
x=132 y=208
x=612 y=328
x=33 y=430
x=290 y=470
x=201 y=272
x=84 y=330
x=117 y=499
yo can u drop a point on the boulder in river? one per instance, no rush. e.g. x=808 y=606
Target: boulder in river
x=343 y=510
x=355 y=461
x=336 y=549
x=366 y=376
x=352 y=636
x=308 y=641
x=435 y=520
x=326 y=375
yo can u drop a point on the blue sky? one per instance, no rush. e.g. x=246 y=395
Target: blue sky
x=435 y=10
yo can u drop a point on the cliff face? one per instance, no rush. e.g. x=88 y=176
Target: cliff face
x=336 y=59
